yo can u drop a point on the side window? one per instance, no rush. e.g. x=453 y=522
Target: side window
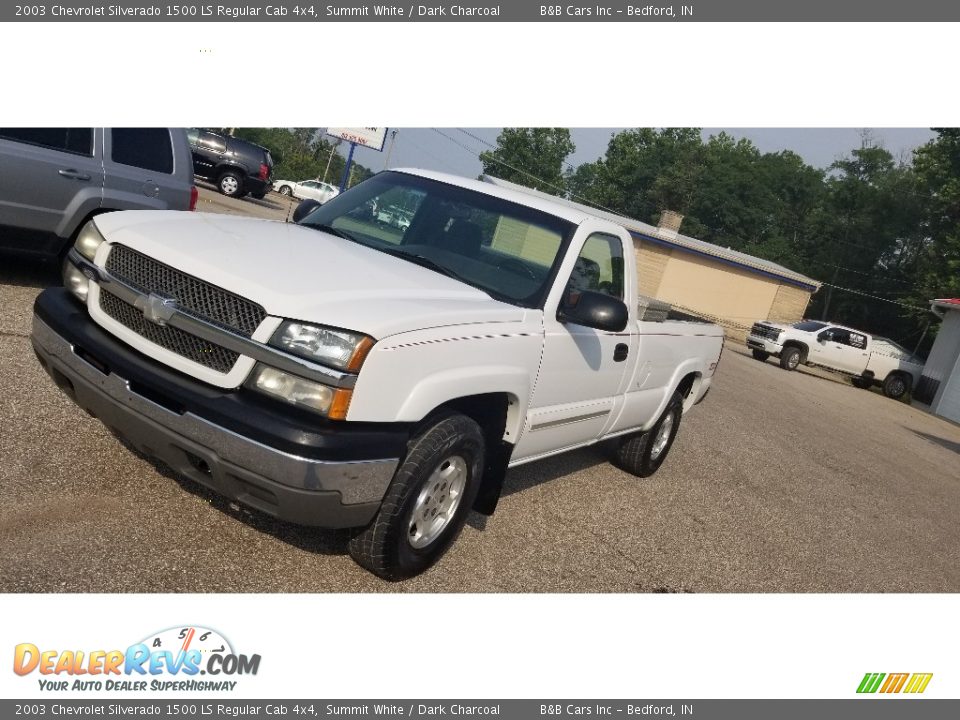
x=858 y=341
x=78 y=141
x=599 y=267
x=147 y=148
x=310 y=183
x=212 y=142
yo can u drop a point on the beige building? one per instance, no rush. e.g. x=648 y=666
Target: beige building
x=703 y=279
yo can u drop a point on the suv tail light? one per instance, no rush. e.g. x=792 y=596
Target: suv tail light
x=264 y=171
x=194 y=196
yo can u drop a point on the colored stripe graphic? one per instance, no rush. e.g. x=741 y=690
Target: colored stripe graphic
x=918 y=683
x=894 y=682
x=870 y=682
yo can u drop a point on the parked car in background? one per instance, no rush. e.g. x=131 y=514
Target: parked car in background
x=53 y=180
x=237 y=167
x=868 y=360
x=307 y=190
x=394 y=216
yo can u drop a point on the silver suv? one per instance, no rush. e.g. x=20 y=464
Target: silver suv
x=52 y=180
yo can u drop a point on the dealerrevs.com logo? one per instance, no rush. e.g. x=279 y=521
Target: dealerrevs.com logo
x=174 y=659
x=910 y=683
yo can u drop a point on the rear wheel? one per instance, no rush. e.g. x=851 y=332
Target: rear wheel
x=231 y=184
x=790 y=358
x=760 y=355
x=895 y=386
x=427 y=502
x=642 y=454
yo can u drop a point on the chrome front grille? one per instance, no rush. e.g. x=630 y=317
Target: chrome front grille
x=173 y=339
x=765 y=331
x=194 y=296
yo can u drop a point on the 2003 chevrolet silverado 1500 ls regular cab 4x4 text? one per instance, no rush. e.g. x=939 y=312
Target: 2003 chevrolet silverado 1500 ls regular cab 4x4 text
x=337 y=372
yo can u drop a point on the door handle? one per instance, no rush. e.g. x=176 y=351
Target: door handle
x=72 y=174
x=620 y=352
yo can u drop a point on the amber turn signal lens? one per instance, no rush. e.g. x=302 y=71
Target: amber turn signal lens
x=340 y=404
x=359 y=354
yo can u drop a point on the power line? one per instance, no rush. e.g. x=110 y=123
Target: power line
x=563 y=190
x=491 y=145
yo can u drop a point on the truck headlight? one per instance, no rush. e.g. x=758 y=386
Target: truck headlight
x=88 y=240
x=332 y=402
x=75 y=281
x=340 y=349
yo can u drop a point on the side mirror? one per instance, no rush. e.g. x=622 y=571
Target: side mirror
x=824 y=336
x=596 y=310
x=304 y=208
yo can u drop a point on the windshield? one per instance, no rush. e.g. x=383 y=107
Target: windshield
x=509 y=251
x=809 y=326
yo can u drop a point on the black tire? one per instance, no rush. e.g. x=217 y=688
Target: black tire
x=636 y=453
x=387 y=546
x=259 y=195
x=896 y=386
x=790 y=358
x=230 y=184
x=286 y=190
x=760 y=355
x=864 y=383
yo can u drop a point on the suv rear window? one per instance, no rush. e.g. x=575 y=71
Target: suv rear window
x=147 y=148
x=78 y=141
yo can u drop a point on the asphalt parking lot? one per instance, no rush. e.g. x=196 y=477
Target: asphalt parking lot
x=777 y=482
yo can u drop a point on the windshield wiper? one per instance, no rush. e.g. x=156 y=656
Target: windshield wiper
x=333 y=231
x=424 y=261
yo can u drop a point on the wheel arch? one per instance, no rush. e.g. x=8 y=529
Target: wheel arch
x=492 y=412
x=801 y=346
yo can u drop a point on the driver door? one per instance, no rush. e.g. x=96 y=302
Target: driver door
x=582 y=372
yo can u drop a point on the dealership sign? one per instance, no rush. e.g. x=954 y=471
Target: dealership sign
x=372 y=138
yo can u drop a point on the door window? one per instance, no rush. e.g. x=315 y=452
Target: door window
x=147 y=148
x=212 y=142
x=599 y=268
x=847 y=337
x=78 y=141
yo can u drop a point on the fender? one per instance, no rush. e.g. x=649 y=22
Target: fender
x=434 y=390
x=685 y=368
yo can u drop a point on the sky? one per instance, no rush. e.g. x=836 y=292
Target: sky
x=457 y=152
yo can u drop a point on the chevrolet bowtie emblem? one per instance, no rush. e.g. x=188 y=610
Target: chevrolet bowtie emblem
x=155 y=308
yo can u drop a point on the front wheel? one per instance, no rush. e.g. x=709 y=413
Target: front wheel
x=286 y=190
x=427 y=502
x=790 y=358
x=642 y=454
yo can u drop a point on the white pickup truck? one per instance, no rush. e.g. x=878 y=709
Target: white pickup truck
x=338 y=372
x=869 y=360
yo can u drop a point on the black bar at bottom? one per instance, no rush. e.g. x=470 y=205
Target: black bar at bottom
x=868 y=707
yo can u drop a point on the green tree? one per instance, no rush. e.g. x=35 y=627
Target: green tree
x=938 y=256
x=530 y=156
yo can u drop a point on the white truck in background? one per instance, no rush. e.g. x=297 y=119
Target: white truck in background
x=867 y=359
x=340 y=372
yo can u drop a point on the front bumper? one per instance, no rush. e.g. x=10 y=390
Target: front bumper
x=285 y=463
x=764 y=344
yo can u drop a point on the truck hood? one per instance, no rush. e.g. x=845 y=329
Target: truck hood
x=303 y=274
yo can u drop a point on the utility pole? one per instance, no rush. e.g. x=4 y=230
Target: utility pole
x=393 y=137
x=826 y=303
x=330 y=158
